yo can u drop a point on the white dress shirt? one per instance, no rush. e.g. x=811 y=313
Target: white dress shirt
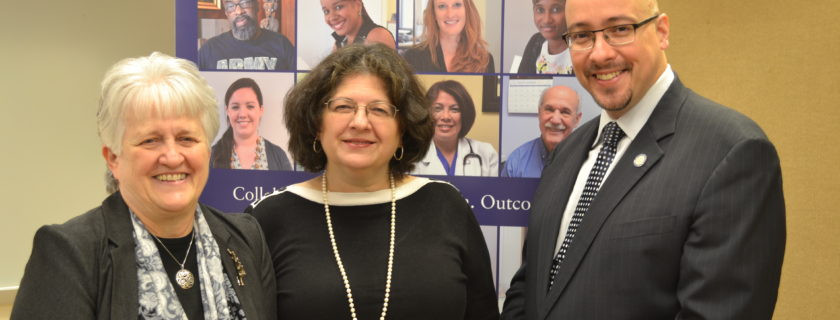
x=631 y=123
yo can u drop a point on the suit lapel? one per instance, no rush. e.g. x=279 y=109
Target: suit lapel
x=123 y=294
x=555 y=193
x=123 y=277
x=223 y=239
x=621 y=180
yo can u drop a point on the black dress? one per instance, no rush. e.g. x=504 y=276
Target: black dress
x=441 y=265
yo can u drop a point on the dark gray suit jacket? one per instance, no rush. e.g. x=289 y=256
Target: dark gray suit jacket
x=697 y=232
x=86 y=269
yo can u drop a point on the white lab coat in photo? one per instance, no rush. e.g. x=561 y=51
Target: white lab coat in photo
x=482 y=161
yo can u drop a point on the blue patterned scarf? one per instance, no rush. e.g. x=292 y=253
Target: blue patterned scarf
x=158 y=299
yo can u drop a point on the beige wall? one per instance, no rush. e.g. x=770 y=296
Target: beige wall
x=773 y=60
x=53 y=56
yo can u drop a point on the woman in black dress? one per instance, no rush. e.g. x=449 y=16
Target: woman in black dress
x=365 y=240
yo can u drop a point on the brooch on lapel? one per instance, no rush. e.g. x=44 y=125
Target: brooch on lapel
x=240 y=269
x=640 y=160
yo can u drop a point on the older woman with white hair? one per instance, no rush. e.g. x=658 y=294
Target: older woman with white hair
x=151 y=251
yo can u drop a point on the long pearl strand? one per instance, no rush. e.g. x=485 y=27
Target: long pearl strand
x=390 y=247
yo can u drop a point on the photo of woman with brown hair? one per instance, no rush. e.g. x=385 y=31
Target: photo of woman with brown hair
x=452 y=40
x=242 y=146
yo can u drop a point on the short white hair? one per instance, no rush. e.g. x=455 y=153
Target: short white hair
x=155 y=86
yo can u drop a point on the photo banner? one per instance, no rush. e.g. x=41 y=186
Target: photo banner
x=495 y=170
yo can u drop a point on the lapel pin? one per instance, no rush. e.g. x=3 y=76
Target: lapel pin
x=240 y=269
x=640 y=160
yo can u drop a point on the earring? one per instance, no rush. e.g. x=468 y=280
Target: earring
x=402 y=153
x=315 y=146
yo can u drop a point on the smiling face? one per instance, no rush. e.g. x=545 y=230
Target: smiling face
x=244 y=113
x=343 y=16
x=550 y=18
x=618 y=76
x=162 y=167
x=355 y=141
x=447 y=115
x=243 y=22
x=558 y=115
x=451 y=16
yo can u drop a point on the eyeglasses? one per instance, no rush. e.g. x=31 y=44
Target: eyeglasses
x=615 y=35
x=377 y=110
x=230 y=6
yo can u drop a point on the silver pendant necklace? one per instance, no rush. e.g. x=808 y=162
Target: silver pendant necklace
x=184 y=278
x=390 y=248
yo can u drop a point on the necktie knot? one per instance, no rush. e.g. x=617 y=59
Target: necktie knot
x=612 y=134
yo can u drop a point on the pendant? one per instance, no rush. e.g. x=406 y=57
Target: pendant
x=184 y=278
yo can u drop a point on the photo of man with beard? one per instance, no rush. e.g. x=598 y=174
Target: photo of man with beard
x=246 y=46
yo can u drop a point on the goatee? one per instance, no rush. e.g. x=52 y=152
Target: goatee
x=247 y=30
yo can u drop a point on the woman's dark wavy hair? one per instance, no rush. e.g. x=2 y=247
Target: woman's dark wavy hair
x=224 y=147
x=462 y=98
x=304 y=104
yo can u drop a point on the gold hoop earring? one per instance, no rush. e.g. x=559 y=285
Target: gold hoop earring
x=315 y=146
x=402 y=153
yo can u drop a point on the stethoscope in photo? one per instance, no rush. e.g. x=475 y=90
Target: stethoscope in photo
x=469 y=159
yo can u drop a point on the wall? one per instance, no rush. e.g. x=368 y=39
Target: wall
x=772 y=60
x=54 y=56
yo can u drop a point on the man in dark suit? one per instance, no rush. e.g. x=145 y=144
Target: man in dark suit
x=667 y=206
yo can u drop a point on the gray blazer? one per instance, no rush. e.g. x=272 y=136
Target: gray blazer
x=85 y=268
x=697 y=232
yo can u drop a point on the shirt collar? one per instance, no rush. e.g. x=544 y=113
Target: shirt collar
x=542 y=148
x=635 y=118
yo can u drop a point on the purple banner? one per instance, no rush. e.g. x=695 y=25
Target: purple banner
x=495 y=201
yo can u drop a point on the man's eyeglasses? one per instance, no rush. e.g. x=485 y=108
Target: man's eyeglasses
x=377 y=110
x=615 y=35
x=230 y=6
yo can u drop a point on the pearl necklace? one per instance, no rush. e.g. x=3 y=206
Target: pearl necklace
x=390 y=248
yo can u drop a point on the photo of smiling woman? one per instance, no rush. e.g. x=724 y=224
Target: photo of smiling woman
x=546 y=52
x=241 y=146
x=351 y=23
x=452 y=40
x=451 y=152
x=334 y=24
x=364 y=239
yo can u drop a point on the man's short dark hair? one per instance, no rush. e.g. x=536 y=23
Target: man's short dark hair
x=304 y=104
